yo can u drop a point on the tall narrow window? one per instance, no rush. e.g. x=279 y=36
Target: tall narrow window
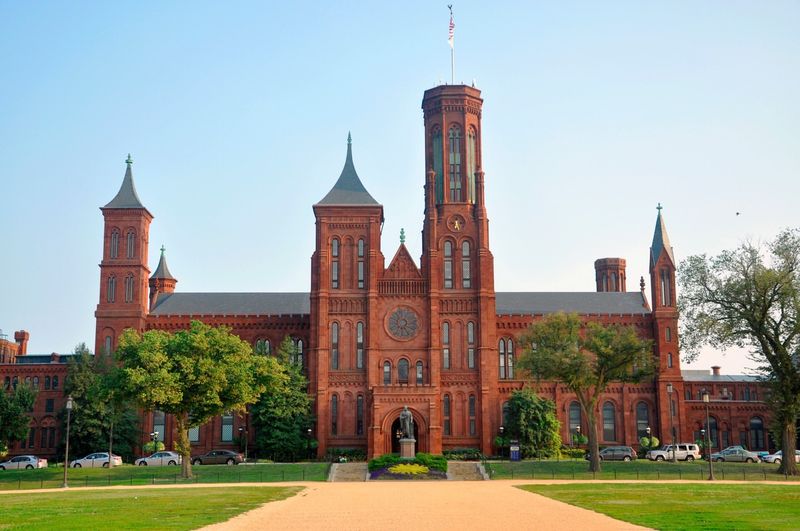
x=46 y=382
x=129 y=283
x=420 y=374
x=613 y=282
x=360 y=415
x=107 y=345
x=609 y=423
x=114 y=247
x=55 y=382
x=448 y=264
x=666 y=294
x=446 y=414
x=669 y=360
x=387 y=373
x=402 y=371
x=668 y=334
x=111 y=289
x=263 y=346
x=36 y=382
x=471 y=164
x=32 y=438
x=756 y=434
x=501 y=350
x=361 y=263
x=466 y=276
x=472 y=425
x=334 y=414
x=445 y=345
x=130 y=245
x=227 y=428
x=510 y=359
x=359 y=345
x=642 y=419
x=335 y=264
x=194 y=434
x=298 y=352
x=470 y=345
x=438 y=166
x=454 y=144
x=335 y=346
x=159 y=424
x=574 y=417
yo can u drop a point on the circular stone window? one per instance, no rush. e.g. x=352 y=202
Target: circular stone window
x=403 y=323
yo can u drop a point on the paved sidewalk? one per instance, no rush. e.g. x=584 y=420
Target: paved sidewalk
x=420 y=505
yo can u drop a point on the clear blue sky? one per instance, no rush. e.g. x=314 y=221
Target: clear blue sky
x=236 y=115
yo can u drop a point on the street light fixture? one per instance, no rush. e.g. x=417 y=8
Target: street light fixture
x=308 y=443
x=707 y=399
x=243 y=433
x=502 y=442
x=671 y=423
x=66 y=447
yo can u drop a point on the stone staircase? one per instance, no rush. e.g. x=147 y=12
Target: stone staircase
x=348 y=472
x=464 y=471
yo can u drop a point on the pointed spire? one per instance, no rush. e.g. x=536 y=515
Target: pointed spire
x=402 y=236
x=660 y=240
x=162 y=271
x=127 y=196
x=348 y=190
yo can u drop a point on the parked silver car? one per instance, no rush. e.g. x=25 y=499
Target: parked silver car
x=96 y=460
x=160 y=459
x=23 y=461
x=777 y=457
x=739 y=455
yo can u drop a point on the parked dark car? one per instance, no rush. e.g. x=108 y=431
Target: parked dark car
x=616 y=453
x=218 y=457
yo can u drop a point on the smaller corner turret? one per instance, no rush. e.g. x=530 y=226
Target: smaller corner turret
x=162 y=280
x=610 y=274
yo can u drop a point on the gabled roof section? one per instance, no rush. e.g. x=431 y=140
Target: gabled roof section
x=162 y=271
x=660 y=240
x=232 y=304
x=348 y=190
x=583 y=303
x=127 y=196
x=402 y=266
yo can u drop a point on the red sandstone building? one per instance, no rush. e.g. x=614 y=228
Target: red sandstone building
x=435 y=337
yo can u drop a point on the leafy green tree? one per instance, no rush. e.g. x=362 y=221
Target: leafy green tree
x=533 y=421
x=100 y=419
x=750 y=298
x=585 y=358
x=282 y=414
x=649 y=443
x=193 y=374
x=15 y=407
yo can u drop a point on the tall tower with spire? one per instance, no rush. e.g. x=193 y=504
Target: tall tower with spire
x=123 y=270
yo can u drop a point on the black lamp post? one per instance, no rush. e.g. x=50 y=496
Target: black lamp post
x=66 y=447
x=707 y=399
x=578 y=434
x=308 y=443
x=649 y=440
x=243 y=435
x=502 y=443
x=154 y=440
x=671 y=423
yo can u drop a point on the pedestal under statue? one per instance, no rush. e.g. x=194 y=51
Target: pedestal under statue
x=407 y=441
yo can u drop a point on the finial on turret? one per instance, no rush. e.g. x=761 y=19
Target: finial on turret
x=129 y=160
x=659 y=207
x=349 y=138
x=163 y=249
x=402 y=236
x=641 y=284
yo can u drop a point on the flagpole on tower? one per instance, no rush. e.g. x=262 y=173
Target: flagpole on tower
x=450 y=40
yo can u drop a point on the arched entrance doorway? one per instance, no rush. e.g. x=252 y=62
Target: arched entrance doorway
x=388 y=442
x=396 y=431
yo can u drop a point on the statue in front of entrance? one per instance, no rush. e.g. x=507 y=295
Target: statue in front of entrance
x=407 y=423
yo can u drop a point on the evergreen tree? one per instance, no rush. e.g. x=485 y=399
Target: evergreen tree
x=533 y=421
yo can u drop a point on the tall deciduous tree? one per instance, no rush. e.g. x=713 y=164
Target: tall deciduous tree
x=750 y=297
x=532 y=419
x=585 y=358
x=282 y=413
x=193 y=374
x=15 y=407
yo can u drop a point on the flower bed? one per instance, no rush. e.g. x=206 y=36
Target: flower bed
x=423 y=466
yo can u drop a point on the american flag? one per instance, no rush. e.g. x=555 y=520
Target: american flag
x=452 y=32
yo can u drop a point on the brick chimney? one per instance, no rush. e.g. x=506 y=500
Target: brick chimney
x=715 y=370
x=21 y=337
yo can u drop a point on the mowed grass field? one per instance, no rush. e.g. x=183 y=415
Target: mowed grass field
x=187 y=508
x=679 y=506
x=52 y=477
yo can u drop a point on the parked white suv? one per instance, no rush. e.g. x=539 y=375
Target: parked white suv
x=683 y=452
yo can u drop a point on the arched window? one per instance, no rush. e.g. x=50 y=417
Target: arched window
x=130 y=245
x=14 y=383
x=262 y=346
x=510 y=358
x=609 y=423
x=445 y=345
x=506 y=413
x=438 y=166
x=756 y=434
x=387 y=373
x=668 y=334
x=129 y=282
x=360 y=415
x=470 y=345
x=473 y=428
x=114 y=247
x=298 y=352
x=107 y=345
x=666 y=294
x=574 y=417
x=642 y=419
x=359 y=345
x=334 y=345
x=613 y=282
x=36 y=382
x=111 y=289
x=46 y=382
x=454 y=145
x=402 y=371
x=472 y=145
x=420 y=375
x=446 y=414
x=360 y=264
x=448 y=264
x=466 y=277
x=501 y=349
x=669 y=360
x=334 y=414
x=55 y=382
x=335 y=264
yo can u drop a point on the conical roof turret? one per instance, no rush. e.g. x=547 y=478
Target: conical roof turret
x=348 y=190
x=660 y=240
x=127 y=196
x=162 y=271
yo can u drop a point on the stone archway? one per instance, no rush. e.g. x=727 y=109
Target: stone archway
x=388 y=426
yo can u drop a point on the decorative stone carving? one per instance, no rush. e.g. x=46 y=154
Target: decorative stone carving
x=403 y=323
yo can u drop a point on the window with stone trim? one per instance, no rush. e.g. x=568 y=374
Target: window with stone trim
x=454 y=159
x=445 y=345
x=609 y=422
x=130 y=245
x=448 y=264
x=466 y=275
x=387 y=373
x=335 y=263
x=473 y=428
x=360 y=264
x=129 y=284
x=227 y=428
x=446 y=414
x=114 y=246
x=402 y=371
x=501 y=351
x=470 y=345
x=335 y=415
x=420 y=373
x=334 y=345
x=359 y=345
x=111 y=289
x=360 y=415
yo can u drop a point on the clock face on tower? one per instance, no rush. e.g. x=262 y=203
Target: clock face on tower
x=403 y=323
x=455 y=223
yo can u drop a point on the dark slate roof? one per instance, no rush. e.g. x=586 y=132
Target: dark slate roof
x=127 y=196
x=162 y=271
x=660 y=240
x=348 y=190
x=232 y=304
x=33 y=359
x=706 y=376
x=602 y=303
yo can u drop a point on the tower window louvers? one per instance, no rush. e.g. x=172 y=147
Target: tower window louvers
x=454 y=160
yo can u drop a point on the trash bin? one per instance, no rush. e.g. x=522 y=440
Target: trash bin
x=514 y=450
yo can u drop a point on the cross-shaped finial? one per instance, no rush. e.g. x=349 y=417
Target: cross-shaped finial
x=349 y=138
x=129 y=160
x=402 y=236
x=659 y=207
x=163 y=249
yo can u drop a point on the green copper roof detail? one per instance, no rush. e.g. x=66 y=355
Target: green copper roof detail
x=348 y=190
x=660 y=240
x=402 y=236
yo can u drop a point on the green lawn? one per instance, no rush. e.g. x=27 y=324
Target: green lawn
x=147 y=475
x=686 y=506
x=639 y=469
x=134 y=509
